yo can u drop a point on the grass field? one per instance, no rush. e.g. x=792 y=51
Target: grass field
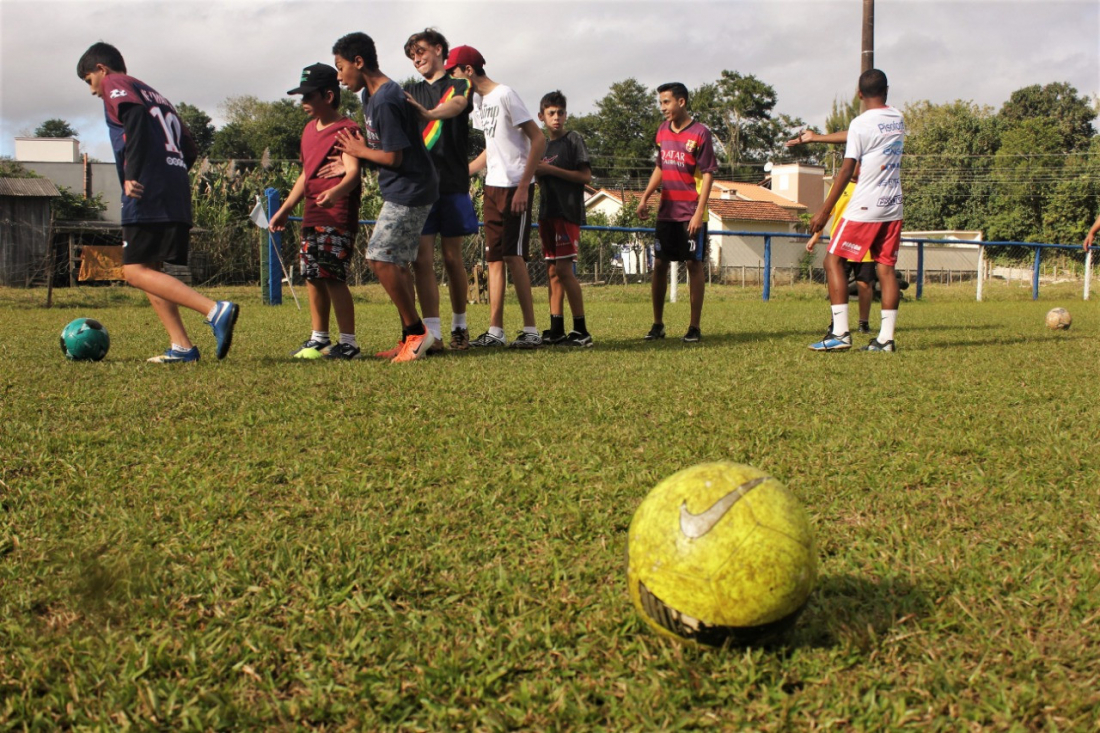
x=267 y=543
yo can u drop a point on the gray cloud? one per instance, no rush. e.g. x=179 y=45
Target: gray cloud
x=202 y=52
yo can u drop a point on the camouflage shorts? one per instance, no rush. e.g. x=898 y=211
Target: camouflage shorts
x=325 y=253
x=396 y=236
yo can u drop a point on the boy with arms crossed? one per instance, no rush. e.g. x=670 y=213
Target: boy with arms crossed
x=873 y=218
x=513 y=148
x=563 y=173
x=331 y=215
x=406 y=180
x=685 y=172
x=443 y=103
x=153 y=152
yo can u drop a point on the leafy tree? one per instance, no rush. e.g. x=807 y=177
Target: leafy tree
x=11 y=168
x=72 y=206
x=947 y=165
x=198 y=122
x=738 y=109
x=55 y=127
x=620 y=133
x=1072 y=113
x=254 y=126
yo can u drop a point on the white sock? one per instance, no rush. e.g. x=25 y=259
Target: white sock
x=458 y=320
x=320 y=336
x=840 y=319
x=531 y=329
x=886 y=331
x=433 y=325
x=177 y=347
x=496 y=332
x=210 y=315
x=349 y=339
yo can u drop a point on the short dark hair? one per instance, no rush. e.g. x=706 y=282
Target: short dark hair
x=359 y=45
x=100 y=53
x=872 y=83
x=679 y=91
x=430 y=36
x=552 y=99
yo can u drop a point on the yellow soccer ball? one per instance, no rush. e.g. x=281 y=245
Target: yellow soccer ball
x=720 y=553
x=1059 y=319
x=309 y=354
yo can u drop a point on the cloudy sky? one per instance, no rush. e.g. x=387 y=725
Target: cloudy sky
x=201 y=51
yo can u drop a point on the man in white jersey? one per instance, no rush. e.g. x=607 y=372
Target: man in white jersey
x=872 y=220
x=513 y=149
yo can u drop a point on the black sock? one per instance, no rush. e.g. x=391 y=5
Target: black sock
x=417 y=329
x=557 y=325
x=579 y=327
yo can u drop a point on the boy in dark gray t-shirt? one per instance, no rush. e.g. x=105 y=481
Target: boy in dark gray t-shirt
x=562 y=175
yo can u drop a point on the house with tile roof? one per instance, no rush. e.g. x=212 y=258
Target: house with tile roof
x=733 y=207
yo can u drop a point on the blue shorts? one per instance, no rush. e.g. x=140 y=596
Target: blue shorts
x=452 y=215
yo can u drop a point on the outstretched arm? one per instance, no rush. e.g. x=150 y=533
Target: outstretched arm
x=809 y=136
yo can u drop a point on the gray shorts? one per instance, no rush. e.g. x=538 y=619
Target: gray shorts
x=396 y=236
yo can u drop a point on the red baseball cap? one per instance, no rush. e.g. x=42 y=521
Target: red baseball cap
x=464 y=56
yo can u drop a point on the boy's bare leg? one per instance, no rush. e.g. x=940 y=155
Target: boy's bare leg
x=427 y=287
x=169 y=315
x=837 y=279
x=557 y=295
x=696 y=286
x=319 y=304
x=568 y=287
x=164 y=286
x=658 y=287
x=521 y=281
x=496 y=294
x=394 y=279
x=339 y=295
x=888 y=284
x=866 y=295
x=457 y=284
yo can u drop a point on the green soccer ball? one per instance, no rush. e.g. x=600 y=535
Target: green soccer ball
x=309 y=354
x=720 y=553
x=85 y=339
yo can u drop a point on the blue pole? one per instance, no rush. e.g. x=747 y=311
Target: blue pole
x=767 y=268
x=1035 y=274
x=275 y=245
x=920 y=269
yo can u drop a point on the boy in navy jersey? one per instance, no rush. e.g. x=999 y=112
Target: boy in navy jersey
x=153 y=152
x=331 y=215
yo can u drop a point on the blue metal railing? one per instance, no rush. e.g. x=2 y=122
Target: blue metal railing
x=276 y=241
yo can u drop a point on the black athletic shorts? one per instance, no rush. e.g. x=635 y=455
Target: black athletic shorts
x=675 y=245
x=148 y=244
x=864 y=272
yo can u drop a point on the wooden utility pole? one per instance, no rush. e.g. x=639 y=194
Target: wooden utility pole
x=867 y=55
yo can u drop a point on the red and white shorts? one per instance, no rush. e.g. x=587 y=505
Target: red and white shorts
x=852 y=240
x=560 y=238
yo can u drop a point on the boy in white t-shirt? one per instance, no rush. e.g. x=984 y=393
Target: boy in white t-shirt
x=513 y=149
x=872 y=219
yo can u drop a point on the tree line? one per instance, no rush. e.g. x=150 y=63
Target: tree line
x=1029 y=171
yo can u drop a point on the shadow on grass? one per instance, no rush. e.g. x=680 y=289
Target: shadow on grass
x=858 y=611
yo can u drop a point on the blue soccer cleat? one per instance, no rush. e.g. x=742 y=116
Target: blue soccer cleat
x=176 y=356
x=225 y=317
x=832 y=342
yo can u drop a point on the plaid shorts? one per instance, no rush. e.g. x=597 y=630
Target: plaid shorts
x=325 y=253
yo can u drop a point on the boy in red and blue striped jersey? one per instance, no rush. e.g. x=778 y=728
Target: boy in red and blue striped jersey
x=685 y=173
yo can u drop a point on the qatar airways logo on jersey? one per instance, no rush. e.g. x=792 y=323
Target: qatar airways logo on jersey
x=898 y=126
x=678 y=158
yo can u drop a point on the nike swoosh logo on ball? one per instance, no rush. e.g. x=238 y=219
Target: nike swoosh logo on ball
x=695 y=526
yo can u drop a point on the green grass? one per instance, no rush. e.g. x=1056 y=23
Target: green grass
x=272 y=544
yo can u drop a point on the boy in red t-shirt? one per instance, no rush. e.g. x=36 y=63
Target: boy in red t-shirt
x=331 y=215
